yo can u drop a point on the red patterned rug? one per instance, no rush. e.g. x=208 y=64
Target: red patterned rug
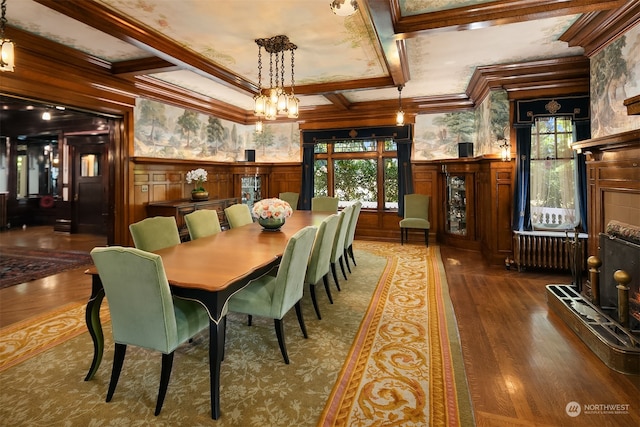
x=19 y=264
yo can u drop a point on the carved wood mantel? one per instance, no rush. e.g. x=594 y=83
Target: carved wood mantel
x=613 y=181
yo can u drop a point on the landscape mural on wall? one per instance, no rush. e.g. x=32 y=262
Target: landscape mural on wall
x=168 y=132
x=437 y=136
x=615 y=76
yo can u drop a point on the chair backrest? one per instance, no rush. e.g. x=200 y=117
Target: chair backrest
x=320 y=259
x=416 y=206
x=291 y=198
x=324 y=204
x=152 y=234
x=238 y=215
x=202 y=223
x=351 y=232
x=139 y=297
x=341 y=234
x=289 y=284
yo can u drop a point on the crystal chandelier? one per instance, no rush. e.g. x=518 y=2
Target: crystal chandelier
x=344 y=7
x=6 y=46
x=274 y=101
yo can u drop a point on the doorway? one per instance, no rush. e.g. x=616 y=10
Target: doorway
x=58 y=170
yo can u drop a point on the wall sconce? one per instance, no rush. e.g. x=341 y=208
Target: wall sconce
x=259 y=126
x=7 y=58
x=46 y=115
x=505 y=150
x=400 y=113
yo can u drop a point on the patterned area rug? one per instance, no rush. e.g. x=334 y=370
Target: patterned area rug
x=19 y=264
x=375 y=358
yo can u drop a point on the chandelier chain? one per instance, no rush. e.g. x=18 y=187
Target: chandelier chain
x=3 y=18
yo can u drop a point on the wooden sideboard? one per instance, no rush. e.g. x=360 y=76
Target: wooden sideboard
x=180 y=208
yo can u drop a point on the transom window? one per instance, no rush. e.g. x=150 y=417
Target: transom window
x=365 y=170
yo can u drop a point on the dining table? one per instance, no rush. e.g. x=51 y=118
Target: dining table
x=210 y=270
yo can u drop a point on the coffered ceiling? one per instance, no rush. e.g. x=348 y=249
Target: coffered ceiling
x=432 y=47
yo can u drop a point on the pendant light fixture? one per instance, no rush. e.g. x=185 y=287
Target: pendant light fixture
x=344 y=7
x=7 y=57
x=400 y=113
x=275 y=101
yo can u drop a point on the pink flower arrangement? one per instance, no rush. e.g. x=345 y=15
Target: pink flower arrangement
x=272 y=208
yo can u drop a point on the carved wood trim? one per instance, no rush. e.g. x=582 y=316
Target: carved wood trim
x=633 y=105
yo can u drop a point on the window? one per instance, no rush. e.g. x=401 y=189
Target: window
x=553 y=191
x=365 y=170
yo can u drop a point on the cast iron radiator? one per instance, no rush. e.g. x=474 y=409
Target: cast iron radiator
x=548 y=249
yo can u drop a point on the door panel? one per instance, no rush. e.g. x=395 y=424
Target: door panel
x=91 y=183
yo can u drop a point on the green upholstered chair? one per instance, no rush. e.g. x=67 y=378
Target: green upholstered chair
x=238 y=215
x=416 y=215
x=319 y=262
x=273 y=296
x=152 y=234
x=143 y=312
x=351 y=234
x=291 y=198
x=202 y=223
x=337 y=252
x=324 y=204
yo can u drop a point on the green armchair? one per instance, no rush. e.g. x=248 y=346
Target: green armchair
x=202 y=223
x=238 y=215
x=273 y=296
x=337 y=252
x=152 y=234
x=319 y=261
x=324 y=204
x=143 y=311
x=351 y=233
x=291 y=198
x=416 y=215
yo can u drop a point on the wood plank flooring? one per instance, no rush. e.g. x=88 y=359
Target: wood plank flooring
x=523 y=364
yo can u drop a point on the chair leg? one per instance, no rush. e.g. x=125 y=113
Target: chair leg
x=280 y=334
x=118 y=360
x=426 y=236
x=351 y=253
x=344 y=274
x=312 y=290
x=335 y=275
x=250 y=317
x=325 y=279
x=345 y=255
x=401 y=236
x=165 y=375
x=301 y=319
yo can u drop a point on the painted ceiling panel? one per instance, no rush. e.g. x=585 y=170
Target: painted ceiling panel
x=417 y=7
x=37 y=19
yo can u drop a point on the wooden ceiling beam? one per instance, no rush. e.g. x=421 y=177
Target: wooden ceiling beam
x=494 y=13
x=97 y=15
x=379 y=13
x=593 y=31
x=149 y=65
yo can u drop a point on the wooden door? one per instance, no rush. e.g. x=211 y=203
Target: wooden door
x=90 y=185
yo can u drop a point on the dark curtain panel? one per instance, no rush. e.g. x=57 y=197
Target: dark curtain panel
x=307 y=176
x=521 y=210
x=405 y=181
x=582 y=132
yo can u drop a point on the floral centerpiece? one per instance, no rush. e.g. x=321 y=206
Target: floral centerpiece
x=198 y=177
x=271 y=213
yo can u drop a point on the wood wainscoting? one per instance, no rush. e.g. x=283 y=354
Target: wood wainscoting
x=613 y=182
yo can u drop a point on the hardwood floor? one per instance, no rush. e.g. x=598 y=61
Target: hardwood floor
x=22 y=301
x=523 y=364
